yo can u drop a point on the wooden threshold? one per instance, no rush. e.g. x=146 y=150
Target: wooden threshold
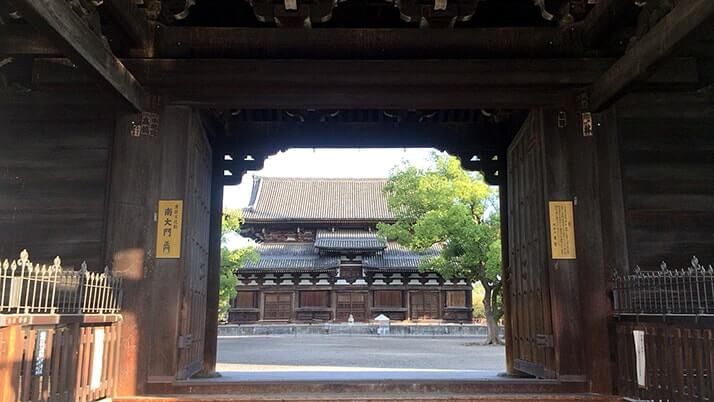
x=487 y=385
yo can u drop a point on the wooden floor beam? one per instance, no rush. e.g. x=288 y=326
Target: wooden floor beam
x=364 y=84
x=23 y=40
x=654 y=46
x=365 y=43
x=68 y=31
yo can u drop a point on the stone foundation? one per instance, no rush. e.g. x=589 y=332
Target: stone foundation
x=358 y=329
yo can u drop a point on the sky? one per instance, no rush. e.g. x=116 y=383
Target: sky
x=326 y=163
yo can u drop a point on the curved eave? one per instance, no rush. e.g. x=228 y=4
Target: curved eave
x=285 y=270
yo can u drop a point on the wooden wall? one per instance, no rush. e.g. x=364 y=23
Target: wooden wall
x=667 y=158
x=54 y=161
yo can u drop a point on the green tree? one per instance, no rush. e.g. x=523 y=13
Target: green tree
x=231 y=259
x=448 y=207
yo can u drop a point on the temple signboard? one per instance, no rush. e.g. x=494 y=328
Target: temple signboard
x=168 y=229
x=562 y=230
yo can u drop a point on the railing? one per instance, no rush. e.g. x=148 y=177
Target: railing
x=671 y=364
x=75 y=361
x=27 y=288
x=681 y=292
x=59 y=332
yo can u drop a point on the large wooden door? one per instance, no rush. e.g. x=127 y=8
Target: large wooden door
x=530 y=315
x=197 y=215
x=277 y=306
x=354 y=303
x=424 y=305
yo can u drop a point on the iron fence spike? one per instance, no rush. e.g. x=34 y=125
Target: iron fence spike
x=24 y=255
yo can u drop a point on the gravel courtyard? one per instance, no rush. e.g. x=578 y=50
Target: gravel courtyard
x=357 y=357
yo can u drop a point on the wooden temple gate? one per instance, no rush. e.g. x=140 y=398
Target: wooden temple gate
x=574 y=140
x=530 y=318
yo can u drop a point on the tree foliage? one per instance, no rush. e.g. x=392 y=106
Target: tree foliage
x=448 y=207
x=231 y=259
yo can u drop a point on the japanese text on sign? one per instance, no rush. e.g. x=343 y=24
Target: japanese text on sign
x=168 y=229
x=562 y=231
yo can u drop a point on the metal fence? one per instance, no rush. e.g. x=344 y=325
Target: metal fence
x=686 y=292
x=27 y=288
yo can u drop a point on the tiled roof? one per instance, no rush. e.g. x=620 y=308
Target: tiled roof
x=306 y=199
x=297 y=257
x=398 y=258
x=348 y=239
x=304 y=257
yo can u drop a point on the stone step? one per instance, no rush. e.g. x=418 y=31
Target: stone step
x=486 y=386
x=373 y=397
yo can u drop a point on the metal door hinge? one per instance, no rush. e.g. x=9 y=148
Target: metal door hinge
x=184 y=341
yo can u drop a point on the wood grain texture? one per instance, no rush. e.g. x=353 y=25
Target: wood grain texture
x=667 y=161
x=70 y=33
x=53 y=177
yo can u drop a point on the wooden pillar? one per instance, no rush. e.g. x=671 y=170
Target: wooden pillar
x=563 y=273
x=169 y=275
x=210 y=350
x=593 y=268
x=506 y=278
x=612 y=204
x=333 y=302
x=178 y=294
x=130 y=239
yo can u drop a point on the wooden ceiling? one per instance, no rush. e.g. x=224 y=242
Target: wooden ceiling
x=357 y=55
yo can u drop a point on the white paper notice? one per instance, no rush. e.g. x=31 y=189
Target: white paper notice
x=639 y=337
x=97 y=358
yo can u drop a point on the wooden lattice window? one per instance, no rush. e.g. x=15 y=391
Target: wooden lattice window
x=388 y=298
x=315 y=298
x=456 y=298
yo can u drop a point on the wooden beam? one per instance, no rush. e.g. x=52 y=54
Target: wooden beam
x=341 y=43
x=65 y=28
x=602 y=19
x=23 y=40
x=250 y=137
x=363 y=84
x=686 y=16
x=132 y=21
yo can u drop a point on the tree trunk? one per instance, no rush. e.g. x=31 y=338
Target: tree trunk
x=491 y=321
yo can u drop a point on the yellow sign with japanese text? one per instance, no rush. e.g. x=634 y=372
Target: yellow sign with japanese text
x=168 y=229
x=562 y=230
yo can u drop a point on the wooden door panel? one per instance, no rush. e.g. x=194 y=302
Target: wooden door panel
x=424 y=305
x=277 y=306
x=354 y=303
x=195 y=259
x=530 y=315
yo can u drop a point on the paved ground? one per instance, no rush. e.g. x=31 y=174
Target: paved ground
x=357 y=358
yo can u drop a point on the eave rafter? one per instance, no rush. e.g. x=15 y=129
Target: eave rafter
x=648 y=51
x=132 y=20
x=57 y=21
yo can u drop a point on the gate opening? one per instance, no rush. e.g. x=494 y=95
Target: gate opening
x=321 y=279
